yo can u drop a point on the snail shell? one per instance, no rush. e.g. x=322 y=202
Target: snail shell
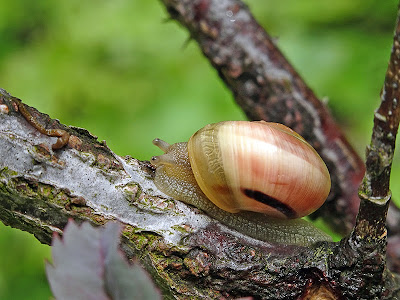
x=258 y=166
x=248 y=175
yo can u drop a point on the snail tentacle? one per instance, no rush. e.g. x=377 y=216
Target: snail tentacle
x=163 y=145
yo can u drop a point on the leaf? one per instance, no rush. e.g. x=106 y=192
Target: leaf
x=87 y=264
x=122 y=281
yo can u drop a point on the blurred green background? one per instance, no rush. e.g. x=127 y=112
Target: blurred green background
x=118 y=69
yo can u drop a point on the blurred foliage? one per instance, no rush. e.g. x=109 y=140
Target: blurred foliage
x=118 y=69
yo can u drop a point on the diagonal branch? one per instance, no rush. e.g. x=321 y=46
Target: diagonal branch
x=267 y=87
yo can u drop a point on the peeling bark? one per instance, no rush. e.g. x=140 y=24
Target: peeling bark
x=187 y=253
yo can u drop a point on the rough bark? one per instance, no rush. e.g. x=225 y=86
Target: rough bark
x=187 y=253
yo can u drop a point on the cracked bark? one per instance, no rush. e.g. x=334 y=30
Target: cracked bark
x=187 y=253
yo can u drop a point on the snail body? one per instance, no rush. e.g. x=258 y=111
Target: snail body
x=255 y=177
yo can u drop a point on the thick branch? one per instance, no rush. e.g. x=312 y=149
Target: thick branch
x=187 y=253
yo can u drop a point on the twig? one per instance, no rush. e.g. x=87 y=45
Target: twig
x=374 y=192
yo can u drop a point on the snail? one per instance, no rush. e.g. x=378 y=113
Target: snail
x=258 y=178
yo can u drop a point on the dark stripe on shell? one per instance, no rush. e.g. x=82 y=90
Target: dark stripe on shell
x=272 y=202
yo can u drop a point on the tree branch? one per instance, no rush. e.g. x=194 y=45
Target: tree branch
x=187 y=253
x=267 y=87
x=370 y=230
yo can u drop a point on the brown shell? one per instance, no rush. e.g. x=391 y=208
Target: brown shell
x=258 y=166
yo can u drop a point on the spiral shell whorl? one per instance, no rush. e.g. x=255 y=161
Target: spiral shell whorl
x=258 y=166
